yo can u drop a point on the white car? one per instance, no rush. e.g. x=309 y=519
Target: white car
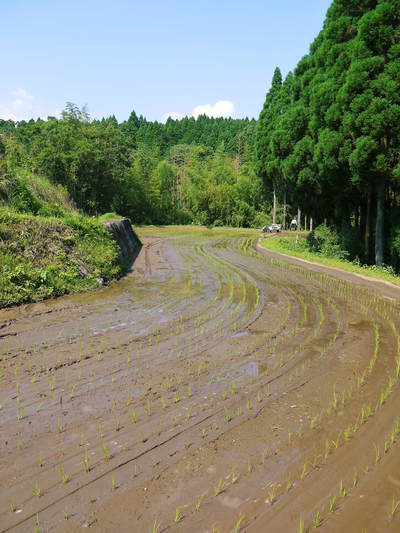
x=272 y=228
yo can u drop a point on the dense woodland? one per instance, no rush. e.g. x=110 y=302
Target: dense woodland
x=326 y=147
x=185 y=171
x=328 y=137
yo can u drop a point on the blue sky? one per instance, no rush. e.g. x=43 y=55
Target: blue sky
x=157 y=57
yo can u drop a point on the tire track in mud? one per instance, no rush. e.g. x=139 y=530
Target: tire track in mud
x=210 y=358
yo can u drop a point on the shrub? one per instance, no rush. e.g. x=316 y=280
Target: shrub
x=326 y=241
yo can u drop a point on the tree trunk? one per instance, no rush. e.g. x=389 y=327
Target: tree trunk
x=284 y=210
x=311 y=224
x=274 y=209
x=298 y=218
x=380 y=202
x=305 y=222
x=357 y=217
x=367 y=225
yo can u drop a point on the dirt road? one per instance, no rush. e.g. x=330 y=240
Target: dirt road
x=215 y=387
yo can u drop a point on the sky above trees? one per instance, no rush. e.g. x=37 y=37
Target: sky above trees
x=159 y=57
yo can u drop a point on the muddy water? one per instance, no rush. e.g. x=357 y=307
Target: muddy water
x=214 y=387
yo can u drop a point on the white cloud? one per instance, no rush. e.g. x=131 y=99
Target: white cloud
x=173 y=115
x=222 y=108
x=22 y=106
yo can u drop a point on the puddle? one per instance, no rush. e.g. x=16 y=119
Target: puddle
x=241 y=334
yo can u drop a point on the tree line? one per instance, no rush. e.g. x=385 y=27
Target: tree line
x=184 y=171
x=328 y=136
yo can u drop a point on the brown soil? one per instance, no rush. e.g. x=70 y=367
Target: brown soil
x=216 y=385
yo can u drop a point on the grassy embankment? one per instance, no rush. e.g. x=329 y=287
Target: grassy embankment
x=47 y=248
x=287 y=245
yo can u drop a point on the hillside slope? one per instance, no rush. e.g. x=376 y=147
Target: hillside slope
x=46 y=247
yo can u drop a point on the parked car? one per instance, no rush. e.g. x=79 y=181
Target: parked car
x=271 y=228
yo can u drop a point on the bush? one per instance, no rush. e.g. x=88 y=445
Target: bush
x=326 y=241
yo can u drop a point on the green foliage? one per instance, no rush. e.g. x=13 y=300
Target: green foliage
x=44 y=256
x=329 y=135
x=326 y=241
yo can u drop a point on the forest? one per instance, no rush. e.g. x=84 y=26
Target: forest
x=328 y=136
x=188 y=171
x=325 y=148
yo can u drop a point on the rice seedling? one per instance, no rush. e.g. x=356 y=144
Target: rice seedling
x=155 y=528
x=12 y=507
x=355 y=478
x=21 y=412
x=234 y=476
x=332 y=503
x=63 y=476
x=106 y=453
x=317 y=520
x=199 y=501
x=303 y=471
x=238 y=523
x=249 y=466
x=85 y=462
x=148 y=408
x=342 y=490
x=100 y=431
x=113 y=485
x=327 y=448
x=272 y=494
x=36 y=526
x=36 y=490
x=300 y=527
x=219 y=487
x=178 y=515
x=377 y=454
x=133 y=416
x=289 y=484
x=66 y=513
x=395 y=506
x=59 y=427
x=336 y=442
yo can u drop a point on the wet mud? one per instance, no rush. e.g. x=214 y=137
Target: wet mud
x=217 y=386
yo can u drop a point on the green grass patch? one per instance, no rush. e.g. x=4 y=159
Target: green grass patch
x=42 y=256
x=288 y=245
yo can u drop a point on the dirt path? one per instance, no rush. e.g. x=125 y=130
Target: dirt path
x=214 y=387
